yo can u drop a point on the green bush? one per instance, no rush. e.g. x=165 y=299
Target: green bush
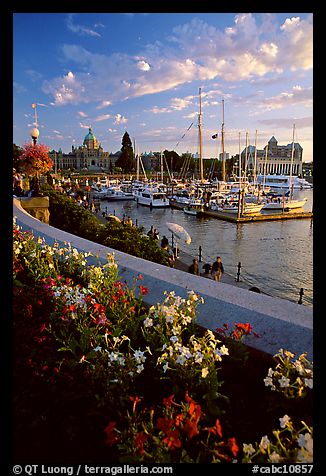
x=66 y=215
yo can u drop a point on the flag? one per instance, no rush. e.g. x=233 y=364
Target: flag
x=33 y=105
x=214 y=136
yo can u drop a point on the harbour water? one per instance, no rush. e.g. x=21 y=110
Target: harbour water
x=275 y=256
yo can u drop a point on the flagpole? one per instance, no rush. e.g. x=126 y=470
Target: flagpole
x=223 y=153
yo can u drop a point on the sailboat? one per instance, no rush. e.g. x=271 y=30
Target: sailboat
x=286 y=202
x=195 y=206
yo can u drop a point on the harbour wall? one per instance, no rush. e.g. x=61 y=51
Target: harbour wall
x=279 y=323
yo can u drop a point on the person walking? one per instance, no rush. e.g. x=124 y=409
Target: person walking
x=194 y=268
x=217 y=269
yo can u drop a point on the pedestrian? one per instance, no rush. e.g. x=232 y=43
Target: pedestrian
x=217 y=269
x=164 y=242
x=194 y=267
x=129 y=221
x=151 y=231
x=156 y=236
x=207 y=270
x=18 y=191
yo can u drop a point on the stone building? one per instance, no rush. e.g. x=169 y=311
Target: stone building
x=89 y=156
x=278 y=159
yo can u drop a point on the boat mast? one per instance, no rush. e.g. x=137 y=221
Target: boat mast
x=136 y=156
x=200 y=139
x=246 y=159
x=265 y=165
x=222 y=140
x=255 y=161
x=292 y=157
x=161 y=160
x=240 y=159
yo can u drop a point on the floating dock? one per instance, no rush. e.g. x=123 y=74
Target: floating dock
x=263 y=216
x=257 y=217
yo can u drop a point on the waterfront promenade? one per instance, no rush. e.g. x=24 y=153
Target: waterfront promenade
x=280 y=323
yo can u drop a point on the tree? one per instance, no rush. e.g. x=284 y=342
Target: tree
x=34 y=160
x=126 y=159
x=16 y=156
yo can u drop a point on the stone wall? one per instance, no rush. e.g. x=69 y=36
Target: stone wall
x=280 y=323
x=38 y=207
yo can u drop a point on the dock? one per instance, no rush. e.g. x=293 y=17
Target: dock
x=257 y=217
x=263 y=216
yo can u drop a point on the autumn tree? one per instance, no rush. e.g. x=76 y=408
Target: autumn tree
x=34 y=160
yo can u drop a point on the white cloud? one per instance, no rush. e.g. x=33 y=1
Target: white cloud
x=119 y=119
x=82 y=114
x=104 y=104
x=143 y=65
x=194 y=51
x=80 y=29
x=104 y=117
x=297 y=96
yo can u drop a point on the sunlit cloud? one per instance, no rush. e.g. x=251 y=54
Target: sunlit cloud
x=194 y=51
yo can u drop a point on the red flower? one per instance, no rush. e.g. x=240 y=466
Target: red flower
x=164 y=424
x=168 y=401
x=109 y=430
x=216 y=430
x=135 y=400
x=178 y=419
x=190 y=428
x=139 y=441
x=143 y=290
x=233 y=446
x=172 y=439
x=218 y=427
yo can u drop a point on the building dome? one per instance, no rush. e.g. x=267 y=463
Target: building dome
x=90 y=140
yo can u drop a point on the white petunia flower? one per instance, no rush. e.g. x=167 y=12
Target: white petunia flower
x=264 y=442
x=284 y=422
x=248 y=449
x=284 y=381
x=148 y=322
x=274 y=457
x=309 y=382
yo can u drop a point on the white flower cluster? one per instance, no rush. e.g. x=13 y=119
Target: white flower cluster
x=200 y=353
x=277 y=451
x=290 y=377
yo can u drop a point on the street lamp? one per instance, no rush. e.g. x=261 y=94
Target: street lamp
x=34 y=135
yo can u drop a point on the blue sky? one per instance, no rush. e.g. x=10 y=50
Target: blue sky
x=141 y=73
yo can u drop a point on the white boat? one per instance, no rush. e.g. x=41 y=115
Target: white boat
x=194 y=207
x=248 y=209
x=283 y=182
x=120 y=195
x=151 y=197
x=104 y=192
x=284 y=204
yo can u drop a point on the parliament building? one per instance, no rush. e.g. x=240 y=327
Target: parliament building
x=89 y=156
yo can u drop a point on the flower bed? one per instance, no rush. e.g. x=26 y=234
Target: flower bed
x=101 y=377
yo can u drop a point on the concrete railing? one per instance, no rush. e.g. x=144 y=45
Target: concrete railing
x=280 y=323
